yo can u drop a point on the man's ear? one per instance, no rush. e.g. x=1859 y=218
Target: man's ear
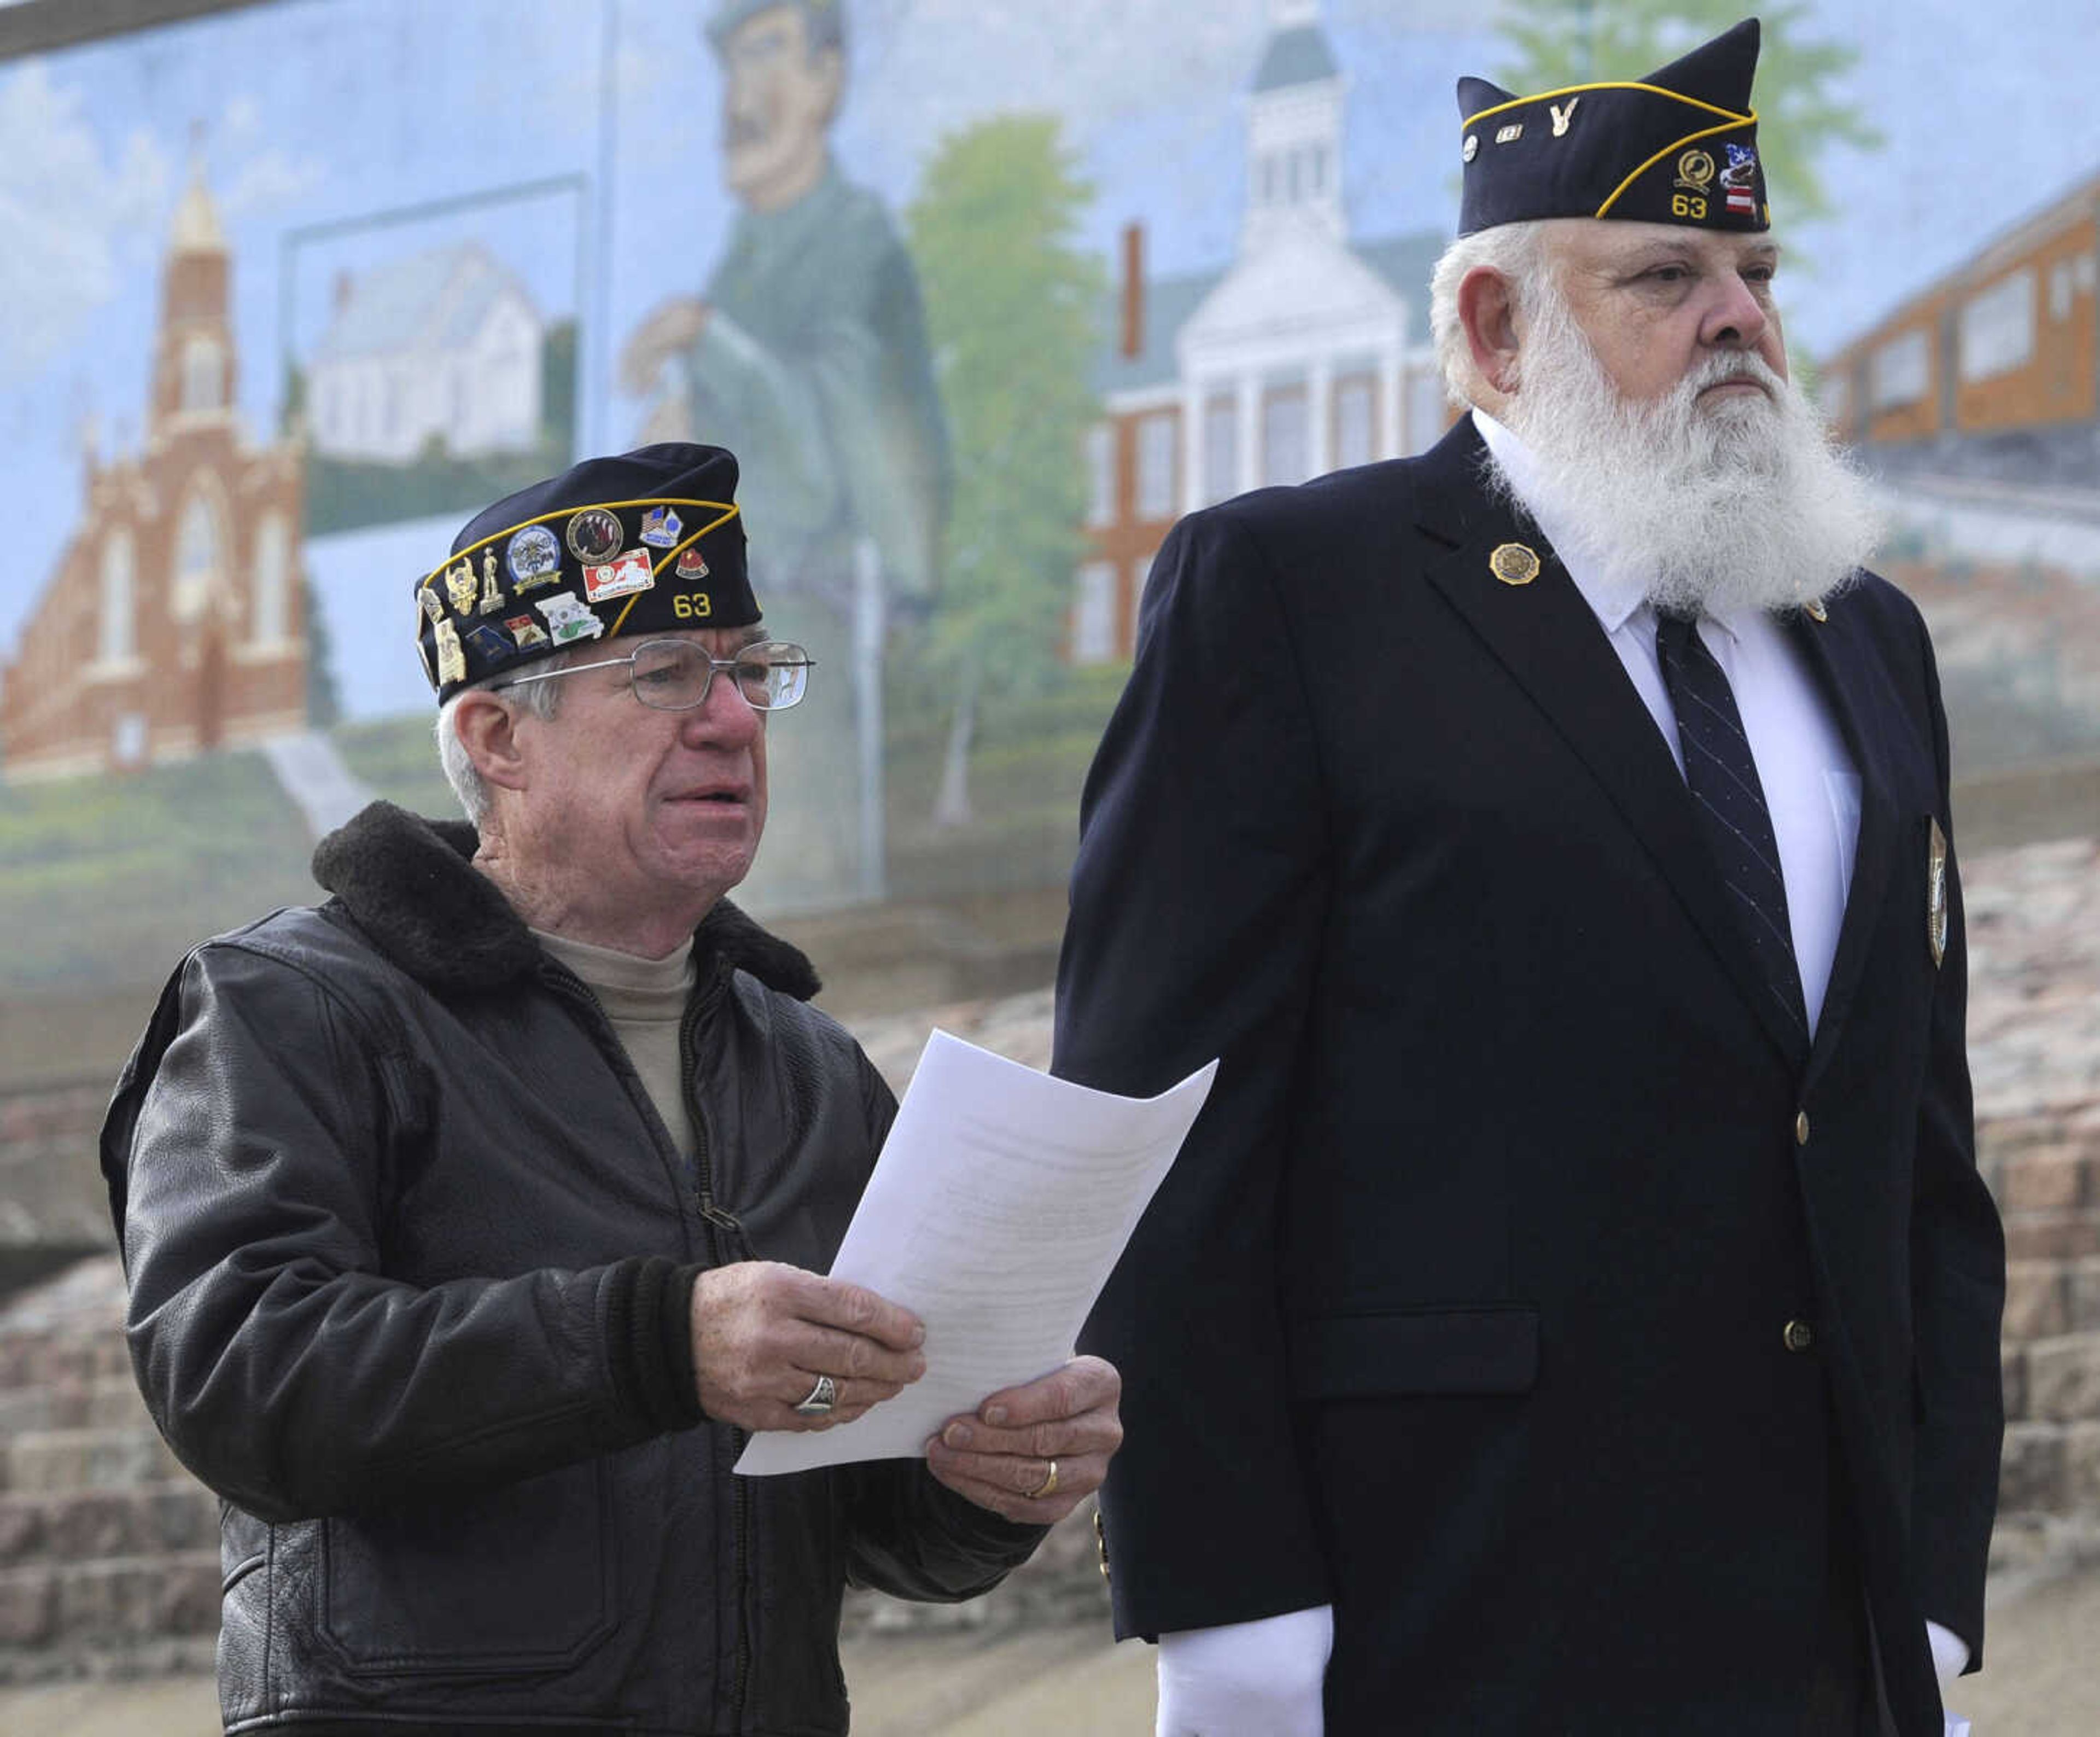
x=1487 y=309
x=488 y=729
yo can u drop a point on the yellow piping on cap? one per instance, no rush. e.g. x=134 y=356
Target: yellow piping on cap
x=1689 y=138
x=1621 y=84
x=726 y=511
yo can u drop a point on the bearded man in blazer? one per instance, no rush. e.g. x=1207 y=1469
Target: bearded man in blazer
x=1577 y=1309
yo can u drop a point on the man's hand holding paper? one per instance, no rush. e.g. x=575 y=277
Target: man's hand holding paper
x=1031 y=1453
x=1002 y=1200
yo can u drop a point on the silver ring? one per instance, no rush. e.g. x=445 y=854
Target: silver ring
x=822 y=1397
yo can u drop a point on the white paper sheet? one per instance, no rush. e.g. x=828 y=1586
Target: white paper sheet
x=996 y=1211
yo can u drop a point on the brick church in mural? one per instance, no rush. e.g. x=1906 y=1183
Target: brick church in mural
x=173 y=623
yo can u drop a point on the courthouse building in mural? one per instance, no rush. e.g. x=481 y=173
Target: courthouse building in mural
x=1308 y=353
x=1991 y=370
x=173 y=622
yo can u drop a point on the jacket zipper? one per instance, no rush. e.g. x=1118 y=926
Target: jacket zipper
x=721 y=1227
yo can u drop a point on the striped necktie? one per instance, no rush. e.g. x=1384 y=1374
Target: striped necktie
x=1730 y=801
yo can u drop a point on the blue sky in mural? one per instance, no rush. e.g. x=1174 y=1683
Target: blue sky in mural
x=320 y=118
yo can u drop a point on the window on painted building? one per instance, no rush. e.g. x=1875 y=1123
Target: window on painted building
x=1427 y=405
x=1900 y=372
x=273 y=581
x=203 y=374
x=127 y=739
x=1093 y=613
x=1284 y=454
x=197 y=559
x=1155 y=465
x=1100 y=474
x=1836 y=392
x=1998 y=332
x=1221 y=449
x=116 y=633
x=1353 y=430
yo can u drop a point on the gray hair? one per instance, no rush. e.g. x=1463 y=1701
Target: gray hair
x=1517 y=251
x=542 y=698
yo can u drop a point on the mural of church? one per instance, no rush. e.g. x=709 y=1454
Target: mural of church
x=173 y=623
x=1308 y=353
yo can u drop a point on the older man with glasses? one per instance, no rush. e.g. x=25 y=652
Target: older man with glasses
x=474 y=1218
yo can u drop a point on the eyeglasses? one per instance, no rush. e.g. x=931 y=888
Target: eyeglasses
x=674 y=675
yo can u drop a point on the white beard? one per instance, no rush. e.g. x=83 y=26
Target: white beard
x=1743 y=502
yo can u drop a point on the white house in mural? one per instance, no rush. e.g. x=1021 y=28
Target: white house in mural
x=1308 y=353
x=443 y=344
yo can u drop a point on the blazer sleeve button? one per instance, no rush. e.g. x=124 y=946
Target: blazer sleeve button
x=1797 y=1336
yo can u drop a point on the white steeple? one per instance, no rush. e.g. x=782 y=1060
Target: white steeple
x=1294 y=131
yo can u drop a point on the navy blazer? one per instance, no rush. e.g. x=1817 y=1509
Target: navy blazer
x=1524 y=1282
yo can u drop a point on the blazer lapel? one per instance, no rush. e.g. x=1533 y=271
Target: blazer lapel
x=1546 y=636
x=1847 y=674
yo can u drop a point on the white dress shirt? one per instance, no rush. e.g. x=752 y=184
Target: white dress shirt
x=1259 y=1678
x=1809 y=783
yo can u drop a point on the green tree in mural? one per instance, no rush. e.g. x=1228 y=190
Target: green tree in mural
x=1010 y=310
x=1558 y=42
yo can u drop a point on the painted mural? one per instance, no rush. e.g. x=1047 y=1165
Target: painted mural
x=984 y=296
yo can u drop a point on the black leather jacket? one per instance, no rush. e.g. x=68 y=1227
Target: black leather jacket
x=410 y=1257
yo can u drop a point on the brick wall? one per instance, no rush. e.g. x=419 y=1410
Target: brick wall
x=2046 y=1172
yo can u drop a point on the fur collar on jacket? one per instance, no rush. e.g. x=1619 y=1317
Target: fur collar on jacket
x=409 y=884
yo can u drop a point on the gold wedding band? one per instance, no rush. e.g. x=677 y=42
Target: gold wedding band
x=1048 y=1486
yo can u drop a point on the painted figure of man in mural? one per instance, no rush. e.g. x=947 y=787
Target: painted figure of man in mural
x=808 y=353
x=1578 y=1291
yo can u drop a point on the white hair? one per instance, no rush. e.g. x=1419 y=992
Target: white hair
x=1518 y=252
x=542 y=698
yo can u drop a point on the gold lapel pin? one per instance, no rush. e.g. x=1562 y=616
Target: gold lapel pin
x=1513 y=564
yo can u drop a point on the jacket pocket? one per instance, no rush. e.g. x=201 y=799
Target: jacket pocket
x=1382 y=1355
x=514 y=1579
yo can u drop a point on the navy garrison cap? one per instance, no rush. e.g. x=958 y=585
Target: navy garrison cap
x=651 y=542
x=1680 y=146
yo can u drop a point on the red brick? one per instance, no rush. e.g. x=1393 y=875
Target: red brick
x=2052 y=1182
x=2064 y=1378
x=2037 y=1305
x=2082 y=1285
x=2069 y=1236
x=2030 y=1474
x=2081 y=1467
x=29 y=1606
x=21 y=1528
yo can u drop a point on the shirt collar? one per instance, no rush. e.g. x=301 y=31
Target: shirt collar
x=1614 y=603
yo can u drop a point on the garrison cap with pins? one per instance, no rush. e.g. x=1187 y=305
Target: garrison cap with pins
x=651 y=542
x=1680 y=146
